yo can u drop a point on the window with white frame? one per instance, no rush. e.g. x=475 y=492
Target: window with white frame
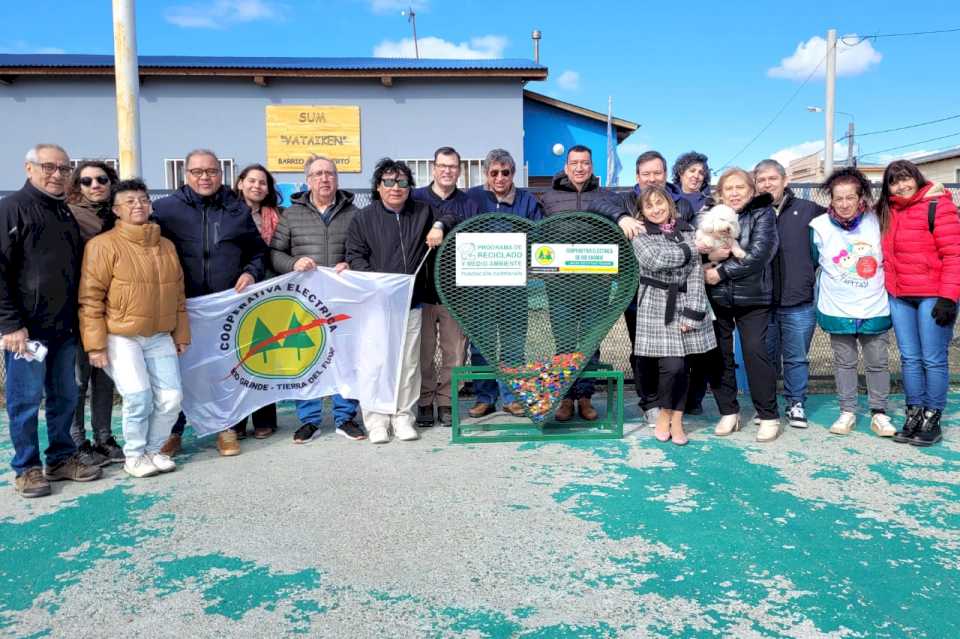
x=174 y=172
x=471 y=172
x=111 y=162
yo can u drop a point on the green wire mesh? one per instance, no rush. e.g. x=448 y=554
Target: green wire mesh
x=540 y=337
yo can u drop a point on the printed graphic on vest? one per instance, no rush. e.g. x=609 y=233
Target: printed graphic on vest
x=857 y=263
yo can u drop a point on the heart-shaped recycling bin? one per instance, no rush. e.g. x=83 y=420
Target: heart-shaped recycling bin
x=536 y=298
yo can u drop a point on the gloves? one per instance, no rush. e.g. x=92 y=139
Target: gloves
x=944 y=311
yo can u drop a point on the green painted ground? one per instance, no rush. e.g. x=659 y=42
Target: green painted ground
x=814 y=536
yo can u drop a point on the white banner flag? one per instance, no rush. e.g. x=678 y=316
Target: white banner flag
x=296 y=336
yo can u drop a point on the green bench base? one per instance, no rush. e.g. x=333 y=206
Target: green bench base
x=608 y=426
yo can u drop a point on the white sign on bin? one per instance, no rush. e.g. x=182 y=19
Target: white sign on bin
x=491 y=259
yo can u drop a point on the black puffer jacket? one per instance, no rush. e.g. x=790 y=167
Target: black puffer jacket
x=40 y=254
x=685 y=210
x=794 y=271
x=749 y=282
x=563 y=197
x=216 y=238
x=382 y=241
x=302 y=232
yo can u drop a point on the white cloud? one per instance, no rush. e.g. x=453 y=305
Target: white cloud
x=223 y=13
x=786 y=155
x=21 y=46
x=483 y=47
x=396 y=6
x=852 y=59
x=569 y=80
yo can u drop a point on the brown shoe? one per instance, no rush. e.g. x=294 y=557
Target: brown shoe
x=587 y=411
x=515 y=409
x=480 y=409
x=262 y=432
x=227 y=443
x=72 y=469
x=171 y=447
x=31 y=483
x=565 y=412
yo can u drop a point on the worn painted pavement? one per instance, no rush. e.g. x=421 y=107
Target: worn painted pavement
x=813 y=536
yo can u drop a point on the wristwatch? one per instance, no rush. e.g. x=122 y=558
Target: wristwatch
x=438 y=225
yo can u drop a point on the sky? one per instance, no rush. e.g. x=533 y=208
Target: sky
x=705 y=76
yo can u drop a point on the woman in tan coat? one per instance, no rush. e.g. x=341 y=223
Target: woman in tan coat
x=133 y=322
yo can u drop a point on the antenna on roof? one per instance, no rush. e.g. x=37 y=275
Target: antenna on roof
x=412 y=19
x=536 y=35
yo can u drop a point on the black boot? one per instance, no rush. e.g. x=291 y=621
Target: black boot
x=929 y=433
x=910 y=426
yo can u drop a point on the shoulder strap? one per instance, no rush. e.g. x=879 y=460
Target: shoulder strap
x=931 y=215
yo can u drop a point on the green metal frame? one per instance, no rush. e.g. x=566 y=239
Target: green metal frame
x=609 y=427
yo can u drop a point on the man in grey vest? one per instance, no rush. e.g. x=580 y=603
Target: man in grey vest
x=312 y=232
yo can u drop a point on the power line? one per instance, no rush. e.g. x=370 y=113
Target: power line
x=775 y=117
x=904 y=128
x=903 y=146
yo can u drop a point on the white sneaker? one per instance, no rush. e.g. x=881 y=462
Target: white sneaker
x=651 y=415
x=845 y=424
x=769 y=430
x=405 y=432
x=880 y=424
x=727 y=424
x=162 y=462
x=140 y=466
x=378 y=435
x=796 y=416
x=756 y=420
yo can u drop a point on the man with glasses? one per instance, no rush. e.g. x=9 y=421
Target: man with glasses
x=312 y=232
x=499 y=194
x=439 y=327
x=40 y=255
x=393 y=235
x=219 y=249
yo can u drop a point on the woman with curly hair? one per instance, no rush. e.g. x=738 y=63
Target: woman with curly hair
x=88 y=196
x=691 y=180
x=851 y=300
x=921 y=249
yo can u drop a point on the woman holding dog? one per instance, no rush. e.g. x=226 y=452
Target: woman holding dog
x=672 y=318
x=740 y=291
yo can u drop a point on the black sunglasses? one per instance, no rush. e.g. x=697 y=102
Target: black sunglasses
x=403 y=183
x=101 y=180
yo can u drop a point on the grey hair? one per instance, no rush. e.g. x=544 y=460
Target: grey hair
x=33 y=154
x=499 y=156
x=313 y=158
x=196 y=152
x=770 y=164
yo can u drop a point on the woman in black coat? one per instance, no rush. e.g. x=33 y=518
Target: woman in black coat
x=740 y=291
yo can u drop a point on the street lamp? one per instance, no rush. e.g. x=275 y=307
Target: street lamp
x=851 y=158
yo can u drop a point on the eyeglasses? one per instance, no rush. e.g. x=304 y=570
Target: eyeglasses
x=49 y=168
x=134 y=201
x=499 y=172
x=403 y=183
x=101 y=180
x=198 y=173
x=319 y=174
x=446 y=167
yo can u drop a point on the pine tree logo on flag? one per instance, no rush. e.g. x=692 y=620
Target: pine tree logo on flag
x=280 y=337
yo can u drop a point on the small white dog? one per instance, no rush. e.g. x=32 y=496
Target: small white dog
x=720 y=228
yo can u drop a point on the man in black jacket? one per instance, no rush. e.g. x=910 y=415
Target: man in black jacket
x=792 y=314
x=576 y=188
x=393 y=235
x=219 y=248
x=652 y=171
x=40 y=254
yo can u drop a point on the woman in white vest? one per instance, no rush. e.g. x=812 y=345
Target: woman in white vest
x=851 y=299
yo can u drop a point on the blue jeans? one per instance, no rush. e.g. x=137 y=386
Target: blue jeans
x=923 y=352
x=27 y=383
x=487 y=390
x=310 y=411
x=789 y=333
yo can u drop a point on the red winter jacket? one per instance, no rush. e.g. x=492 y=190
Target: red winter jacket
x=917 y=263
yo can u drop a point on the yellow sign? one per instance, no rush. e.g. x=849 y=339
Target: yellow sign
x=280 y=338
x=294 y=132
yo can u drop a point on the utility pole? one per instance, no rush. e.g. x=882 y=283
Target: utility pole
x=851 y=158
x=126 y=71
x=412 y=19
x=830 y=102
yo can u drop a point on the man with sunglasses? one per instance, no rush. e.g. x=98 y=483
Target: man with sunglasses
x=439 y=327
x=40 y=255
x=219 y=248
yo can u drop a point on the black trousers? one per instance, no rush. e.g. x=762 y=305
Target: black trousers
x=705 y=368
x=263 y=417
x=101 y=401
x=752 y=322
x=664 y=382
x=630 y=317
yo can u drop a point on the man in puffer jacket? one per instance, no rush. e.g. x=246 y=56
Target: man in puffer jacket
x=219 y=249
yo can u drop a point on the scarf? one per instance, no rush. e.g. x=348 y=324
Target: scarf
x=92 y=217
x=269 y=218
x=668 y=227
x=852 y=223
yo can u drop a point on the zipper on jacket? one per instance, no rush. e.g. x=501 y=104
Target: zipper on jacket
x=403 y=250
x=206 y=250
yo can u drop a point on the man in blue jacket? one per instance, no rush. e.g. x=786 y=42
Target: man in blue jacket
x=219 y=248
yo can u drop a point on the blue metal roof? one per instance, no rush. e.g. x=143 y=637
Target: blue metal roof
x=40 y=60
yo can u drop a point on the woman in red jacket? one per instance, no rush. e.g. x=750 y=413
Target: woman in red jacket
x=921 y=257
